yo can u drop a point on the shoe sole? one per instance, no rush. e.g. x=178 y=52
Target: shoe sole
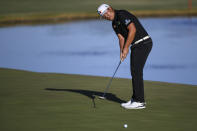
x=135 y=107
x=123 y=105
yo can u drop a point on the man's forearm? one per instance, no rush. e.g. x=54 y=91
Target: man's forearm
x=121 y=44
x=130 y=38
x=131 y=35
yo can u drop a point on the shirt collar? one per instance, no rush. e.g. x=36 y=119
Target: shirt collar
x=115 y=15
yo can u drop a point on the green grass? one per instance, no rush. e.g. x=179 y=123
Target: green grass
x=32 y=101
x=70 y=6
x=14 y=12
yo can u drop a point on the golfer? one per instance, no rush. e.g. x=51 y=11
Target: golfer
x=131 y=34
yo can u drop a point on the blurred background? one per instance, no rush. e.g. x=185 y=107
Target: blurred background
x=67 y=36
x=9 y=7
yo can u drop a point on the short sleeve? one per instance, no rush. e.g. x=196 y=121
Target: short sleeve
x=116 y=29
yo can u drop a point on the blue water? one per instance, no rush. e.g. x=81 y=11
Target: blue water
x=90 y=47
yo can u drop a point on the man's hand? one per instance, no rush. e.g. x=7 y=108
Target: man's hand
x=124 y=53
x=121 y=56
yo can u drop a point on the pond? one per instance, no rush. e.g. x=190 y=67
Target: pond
x=90 y=47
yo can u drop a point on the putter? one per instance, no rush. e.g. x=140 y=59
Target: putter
x=93 y=97
x=106 y=89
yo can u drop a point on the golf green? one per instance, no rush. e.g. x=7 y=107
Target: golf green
x=32 y=101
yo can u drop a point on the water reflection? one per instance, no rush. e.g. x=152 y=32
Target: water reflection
x=166 y=67
x=79 y=53
x=91 y=48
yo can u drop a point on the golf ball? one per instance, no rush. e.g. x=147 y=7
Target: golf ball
x=125 y=125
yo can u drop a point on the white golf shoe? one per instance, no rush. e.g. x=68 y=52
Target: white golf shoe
x=125 y=104
x=135 y=105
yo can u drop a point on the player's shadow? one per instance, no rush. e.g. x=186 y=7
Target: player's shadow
x=91 y=94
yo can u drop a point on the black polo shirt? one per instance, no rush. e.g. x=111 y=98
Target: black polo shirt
x=122 y=19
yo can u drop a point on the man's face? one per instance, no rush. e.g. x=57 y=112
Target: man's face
x=109 y=14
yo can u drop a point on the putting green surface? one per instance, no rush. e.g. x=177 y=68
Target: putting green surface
x=59 y=102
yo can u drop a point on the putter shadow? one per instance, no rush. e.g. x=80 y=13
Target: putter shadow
x=91 y=94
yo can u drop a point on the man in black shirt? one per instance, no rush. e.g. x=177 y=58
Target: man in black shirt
x=131 y=34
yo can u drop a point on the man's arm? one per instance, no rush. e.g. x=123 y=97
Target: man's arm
x=121 y=44
x=130 y=38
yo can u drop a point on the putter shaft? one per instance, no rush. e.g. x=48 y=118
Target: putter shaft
x=111 y=80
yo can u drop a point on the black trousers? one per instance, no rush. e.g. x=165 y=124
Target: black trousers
x=138 y=57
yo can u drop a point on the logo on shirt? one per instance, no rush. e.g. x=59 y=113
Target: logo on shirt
x=127 y=21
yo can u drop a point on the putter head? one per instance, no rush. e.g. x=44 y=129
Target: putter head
x=93 y=96
x=102 y=97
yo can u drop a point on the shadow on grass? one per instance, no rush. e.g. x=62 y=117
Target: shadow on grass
x=91 y=94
